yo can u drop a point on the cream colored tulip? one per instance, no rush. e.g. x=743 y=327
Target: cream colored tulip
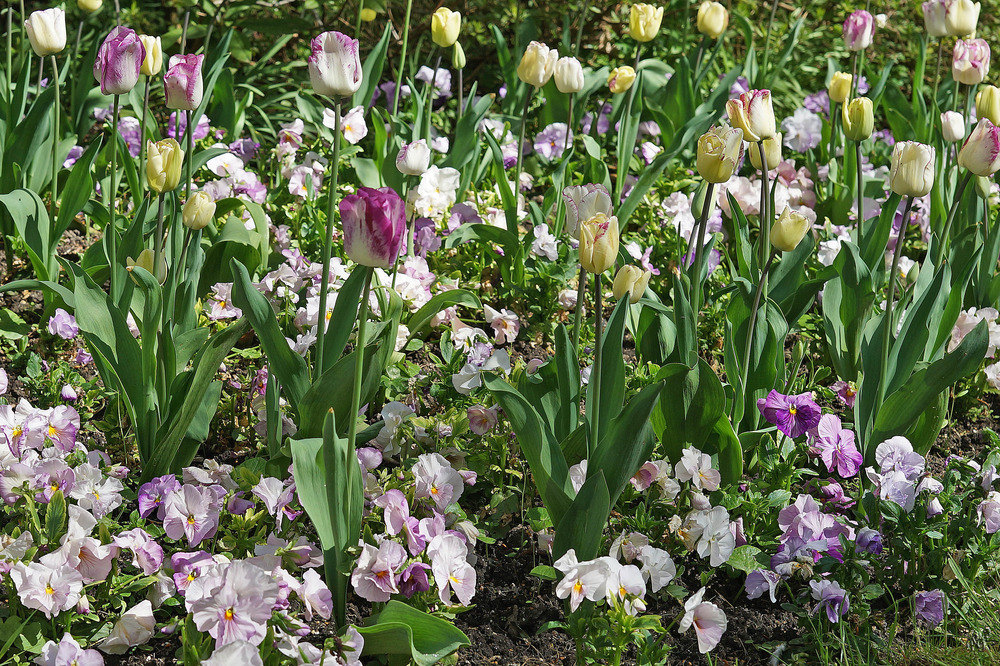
x=911 y=170
x=47 y=31
x=772 y=151
x=537 y=64
x=789 y=230
x=163 y=165
x=719 y=151
x=198 y=211
x=644 y=22
x=713 y=19
x=445 y=26
x=631 y=281
x=858 y=117
x=598 y=243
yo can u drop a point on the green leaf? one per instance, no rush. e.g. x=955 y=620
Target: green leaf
x=55 y=518
x=745 y=558
x=691 y=403
x=401 y=629
x=343 y=317
x=582 y=527
x=421 y=319
x=612 y=377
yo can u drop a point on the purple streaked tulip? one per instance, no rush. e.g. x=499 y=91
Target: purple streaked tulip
x=182 y=84
x=374 y=226
x=970 y=61
x=981 y=152
x=859 y=27
x=118 y=61
x=335 y=65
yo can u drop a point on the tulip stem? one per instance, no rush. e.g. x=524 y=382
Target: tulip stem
x=854 y=76
x=833 y=131
x=861 y=184
x=430 y=98
x=937 y=76
x=461 y=98
x=699 y=251
x=402 y=57
x=745 y=367
x=887 y=330
x=184 y=31
x=595 y=376
x=189 y=134
x=158 y=240
x=142 y=135
x=767 y=44
x=520 y=152
x=110 y=236
x=581 y=295
x=939 y=249
x=331 y=204
x=55 y=140
x=79 y=36
x=765 y=212
x=359 y=361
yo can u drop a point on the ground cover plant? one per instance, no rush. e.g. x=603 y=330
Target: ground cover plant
x=516 y=333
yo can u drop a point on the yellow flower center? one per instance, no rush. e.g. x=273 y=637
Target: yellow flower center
x=49 y=590
x=792 y=410
x=229 y=613
x=52 y=431
x=190 y=520
x=577 y=587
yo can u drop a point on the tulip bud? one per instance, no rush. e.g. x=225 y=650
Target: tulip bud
x=970 y=61
x=713 y=19
x=458 y=56
x=621 y=79
x=644 y=22
x=913 y=273
x=598 y=243
x=911 y=170
x=631 y=281
x=988 y=104
x=952 y=126
x=859 y=28
x=182 y=84
x=789 y=230
x=89 y=6
x=118 y=61
x=445 y=25
x=145 y=261
x=153 y=62
x=374 y=222
x=935 y=17
x=752 y=113
x=961 y=17
x=163 y=165
x=537 y=64
x=198 y=211
x=858 y=119
x=335 y=65
x=984 y=186
x=719 y=151
x=840 y=87
x=413 y=158
x=368 y=14
x=47 y=31
x=568 y=75
x=881 y=20
x=981 y=152
x=772 y=151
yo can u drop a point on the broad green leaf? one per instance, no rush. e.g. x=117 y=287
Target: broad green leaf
x=401 y=629
x=582 y=527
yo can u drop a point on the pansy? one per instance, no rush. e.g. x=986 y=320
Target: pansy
x=696 y=467
x=792 y=414
x=49 y=589
x=192 y=512
x=505 y=324
x=708 y=620
x=452 y=573
x=147 y=554
x=376 y=573
x=929 y=606
x=835 y=446
x=68 y=652
x=831 y=597
x=234 y=606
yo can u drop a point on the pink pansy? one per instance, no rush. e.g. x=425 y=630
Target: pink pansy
x=191 y=512
x=452 y=573
x=413 y=580
x=188 y=567
x=133 y=628
x=153 y=493
x=68 y=652
x=48 y=589
x=375 y=575
x=236 y=605
x=626 y=586
x=90 y=557
x=397 y=510
x=835 y=445
x=581 y=580
x=147 y=554
x=505 y=324
x=696 y=467
x=989 y=512
x=95 y=492
x=657 y=567
x=51 y=476
x=315 y=595
x=436 y=479
x=243 y=653
x=482 y=419
x=63 y=424
x=708 y=620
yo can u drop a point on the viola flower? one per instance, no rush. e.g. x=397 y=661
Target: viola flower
x=897 y=454
x=505 y=324
x=235 y=606
x=628 y=546
x=717 y=541
x=188 y=567
x=95 y=492
x=989 y=512
x=832 y=597
x=67 y=652
x=709 y=621
x=245 y=653
x=846 y=392
x=153 y=493
x=482 y=419
x=47 y=589
x=696 y=467
x=147 y=554
x=551 y=142
x=315 y=595
x=413 y=580
x=191 y=512
x=792 y=414
x=436 y=479
x=63 y=324
x=625 y=585
x=658 y=567
x=545 y=244
x=452 y=573
x=760 y=581
x=929 y=606
x=62 y=427
x=375 y=574
x=133 y=628
x=835 y=445
x=581 y=580
x=397 y=510
x=869 y=541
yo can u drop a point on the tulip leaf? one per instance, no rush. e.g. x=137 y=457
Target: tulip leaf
x=421 y=319
x=612 y=376
x=582 y=527
x=31 y=221
x=691 y=404
x=846 y=306
x=77 y=190
x=401 y=629
x=372 y=70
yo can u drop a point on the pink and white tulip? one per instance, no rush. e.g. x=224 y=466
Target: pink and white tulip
x=970 y=61
x=118 y=62
x=981 y=152
x=859 y=28
x=335 y=65
x=374 y=226
x=182 y=84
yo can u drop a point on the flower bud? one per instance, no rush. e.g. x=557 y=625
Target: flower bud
x=368 y=14
x=961 y=17
x=198 y=211
x=118 y=61
x=458 y=56
x=145 y=261
x=859 y=27
x=713 y=19
x=163 y=165
x=537 y=64
x=984 y=186
x=970 y=61
x=445 y=25
x=772 y=151
x=789 y=230
x=840 y=87
x=911 y=170
x=719 y=151
x=935 y=17
x=413 y=158
x=89 y=6
x=631 y=281
x=988 y=103
x=858 y=118
x=568 y=75
x=952 y=126
x=644 y=22
x=621 y=79
x=598 y=243
x=153 y=62
x=981 y=152
x=335 y=65
x=182 y=84
x=752 y=113
x=374 y=222
x=46 y=31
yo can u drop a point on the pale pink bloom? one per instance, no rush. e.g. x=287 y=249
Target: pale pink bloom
x=696 y=467
x=582 y=580
x=482 y=419
x=191 y=512
x=48 y=589
x=134 y=628
x=708 y=620
x=147 y=554
x=237 y=653
x=437 y=479
x=505 y=324
x=376 y=574
x=989 y=512
x=657 y=567
x=452 y=573
x=625 y=584
x=628 y=546
x=578 y=475
x=717 y=542
x=315 y=595
x=68 y=652
x=90 y=557
x=236 y=606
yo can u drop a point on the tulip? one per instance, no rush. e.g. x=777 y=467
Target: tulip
x=46 y=30
x=988 y=103
x=153 y=62
x=840 y=87
x=859 y=27
x=118 y=61
x=584 y=202
x=644 y=22
x=621 y=79
x=537 y=64
x=163 y=165
x=198 y=211
x=374 y=222
x=598 y=243
x=146 y=261
x=568 y=75
x=445 y=25
x=981 y=152
x=772 y=151
x=935 y=19
x=713 y=19
x=970 y=61
x=720 y=149
x=89 y=6
x=335 y=65
x=911 y=171
x=752 y=113
x=458 y=57
x=961 y=17
x=182 y=84
x=789 y=230
x=631 y=281
x=952 y=126
x=858 y=119
x=413 y=158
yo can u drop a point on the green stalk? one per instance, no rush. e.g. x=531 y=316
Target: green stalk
x=328 y=241
x=359 y=363
x=939 y=250
x=429 y=91
x=595 y=376
x=158 y=240
x=626 y=155
x=142 y=135
x=699 y=250
x=767 y=43
x=55 y=139
x=461 y=96
x=189 y=141
x=110 y=235
x=937 y=76
x=765 y=200
x=520 y=147
x=402 y=57
x=887 y=330
x=861 y=184
x=745 y=368
x=581 y=293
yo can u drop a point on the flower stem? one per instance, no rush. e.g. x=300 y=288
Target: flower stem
x=937 y=76
x=402 y=57
x=520 y=149
x=595 y=376
x=359 y=362
x=581 y=293
x=331 y=205
x=55 y=139
x=110 y=235
x=430 y=98
x=158 y=240
x=766 y=214
x=699 y=250
x=887 y=330
x=939 y=249
x=189 y=134
x=861 y=184
x=461 y=96
x=745 y=367
x=142 y=135
x=767 y=44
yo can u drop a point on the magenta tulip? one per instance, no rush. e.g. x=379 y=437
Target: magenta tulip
x=182 y=84
x=118 y=61
x=374 y=226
